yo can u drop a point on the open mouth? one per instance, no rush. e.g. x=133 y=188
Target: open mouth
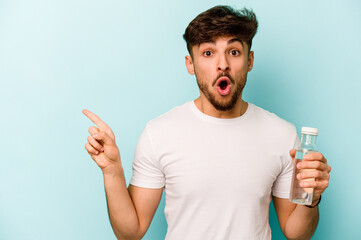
x=223 y=86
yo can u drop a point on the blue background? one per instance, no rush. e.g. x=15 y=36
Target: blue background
x=124 y=60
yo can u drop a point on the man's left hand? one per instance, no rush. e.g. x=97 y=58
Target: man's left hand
x=317 y=169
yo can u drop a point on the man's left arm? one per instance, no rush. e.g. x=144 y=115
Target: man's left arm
x=299 y=221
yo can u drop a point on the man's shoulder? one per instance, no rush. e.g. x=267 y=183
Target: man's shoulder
x=173 y=116
x=270 y=119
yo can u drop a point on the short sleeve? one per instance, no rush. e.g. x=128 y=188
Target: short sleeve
x=282 y=185
x=146 y=169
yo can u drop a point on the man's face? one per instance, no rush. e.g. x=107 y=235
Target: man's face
x=221 y=68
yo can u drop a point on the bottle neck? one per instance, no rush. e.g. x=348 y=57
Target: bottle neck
x=308 y=139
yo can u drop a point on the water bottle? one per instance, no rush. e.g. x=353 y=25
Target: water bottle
x=307 y=145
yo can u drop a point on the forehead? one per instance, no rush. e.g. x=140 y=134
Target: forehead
x=222 y=41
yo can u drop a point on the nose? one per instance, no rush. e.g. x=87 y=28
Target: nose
x=223 y=64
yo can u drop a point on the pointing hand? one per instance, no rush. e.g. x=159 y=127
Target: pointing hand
x=101 y=143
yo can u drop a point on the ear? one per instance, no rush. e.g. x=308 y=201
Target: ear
x=189 y=64
x=250 y=60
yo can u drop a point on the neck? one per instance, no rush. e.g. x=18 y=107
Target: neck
x=207 y=108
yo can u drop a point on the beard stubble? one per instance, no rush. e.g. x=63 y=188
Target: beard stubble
x=223 y=105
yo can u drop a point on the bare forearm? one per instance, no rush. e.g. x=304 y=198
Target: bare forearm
x=302 y=223
x=122 y=214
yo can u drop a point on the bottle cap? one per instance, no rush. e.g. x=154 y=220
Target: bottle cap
x=309 y=130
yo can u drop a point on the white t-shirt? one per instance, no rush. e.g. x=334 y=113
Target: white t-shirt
x=218 y=174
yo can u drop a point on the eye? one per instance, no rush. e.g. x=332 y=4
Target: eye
x=235 y=52
x=207 y=53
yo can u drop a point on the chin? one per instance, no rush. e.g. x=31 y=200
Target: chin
x=223 y=106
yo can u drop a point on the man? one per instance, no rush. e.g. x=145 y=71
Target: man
x=218 y=157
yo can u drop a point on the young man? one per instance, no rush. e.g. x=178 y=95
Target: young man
x=218 y=157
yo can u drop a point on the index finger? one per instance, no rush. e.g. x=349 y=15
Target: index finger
x=95 y=119
x=315 y=156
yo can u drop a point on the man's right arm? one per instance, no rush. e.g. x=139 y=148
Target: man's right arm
x=130 y=210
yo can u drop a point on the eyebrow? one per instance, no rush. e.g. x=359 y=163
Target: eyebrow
x=229 y=42
x=235 y=40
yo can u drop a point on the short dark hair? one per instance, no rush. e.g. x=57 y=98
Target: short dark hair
x=221 y=21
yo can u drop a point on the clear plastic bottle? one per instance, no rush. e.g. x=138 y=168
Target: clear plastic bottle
x=307 y=145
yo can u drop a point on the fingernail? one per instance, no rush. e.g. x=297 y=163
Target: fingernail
x=102 y=149
x=95 y=135
x=96 y=152
x=298 y=176
x=299 y=165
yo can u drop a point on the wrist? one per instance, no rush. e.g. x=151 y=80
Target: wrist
x=314 y=203
x=114 y=169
